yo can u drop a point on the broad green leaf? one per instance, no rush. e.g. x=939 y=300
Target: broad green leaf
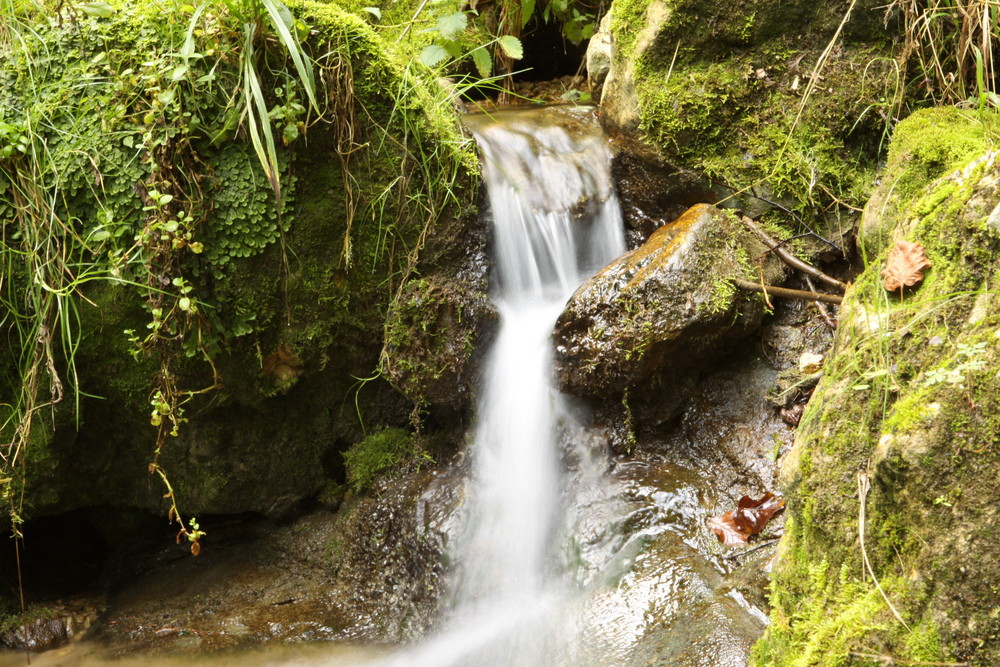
x=432 y=55
x=452 y=25
x=179 y=72
x=527 y=10
x=484 y=63
x=187 y=49
x=166 y=96
x=101 y=10
x=512 y=47
x=100 y=235
x=374 y=11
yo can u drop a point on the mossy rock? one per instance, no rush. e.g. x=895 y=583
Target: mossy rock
x=436 y=332
x=925 y=146
x=723 y=90
x=291 y=298
x=650 y=320
x=902 y=432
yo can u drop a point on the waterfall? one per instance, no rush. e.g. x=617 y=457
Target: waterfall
x=556 y=221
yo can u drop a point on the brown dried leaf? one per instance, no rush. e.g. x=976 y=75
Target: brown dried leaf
x=748 y=519
x=725 y=529
x=905 y=265
x=752 y=515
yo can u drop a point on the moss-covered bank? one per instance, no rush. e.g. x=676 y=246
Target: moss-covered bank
x=178 y=271
x=892 y=541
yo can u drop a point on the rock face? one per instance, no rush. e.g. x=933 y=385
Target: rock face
x=651 y=317
x=717 y=88
x=894 y=465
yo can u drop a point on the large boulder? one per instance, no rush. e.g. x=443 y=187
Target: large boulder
x=724 y=89
x=891 y=484
x=655 y=315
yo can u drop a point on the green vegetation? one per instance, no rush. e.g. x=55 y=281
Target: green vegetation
x=378 y=455
x=906 y=405
x=164 y=253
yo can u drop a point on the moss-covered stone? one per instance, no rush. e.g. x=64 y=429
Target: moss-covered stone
x=436 y=332
x=890 y=478
x=656 y=315
x=925 y=146
x=725 y=90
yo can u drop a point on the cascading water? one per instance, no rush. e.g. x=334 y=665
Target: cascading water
x=556 y=220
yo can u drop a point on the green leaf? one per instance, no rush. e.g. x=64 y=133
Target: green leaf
x=100 y=235
x=290 y=133
x=166 y=97
x=101 y=10
x=282 y=21
x=484 y=63
x=432 y=55
x=179 y=72
x=512 y=47
x=452 y=25
x=527 y=10
x=374 y=11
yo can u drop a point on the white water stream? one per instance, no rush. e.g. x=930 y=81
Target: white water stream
x=556 y=220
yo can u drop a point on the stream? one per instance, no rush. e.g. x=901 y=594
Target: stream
x=557 y=552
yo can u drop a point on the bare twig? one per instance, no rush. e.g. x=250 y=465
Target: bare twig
x=823 y=312
x=790 y=259
x=755 y=548
x=788 y=293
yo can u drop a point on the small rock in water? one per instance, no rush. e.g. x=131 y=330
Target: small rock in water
x=41 y=634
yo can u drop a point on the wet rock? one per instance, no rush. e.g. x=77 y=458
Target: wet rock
x=54 y=625
x=650 y=320
x=40 y=634
x=372 y=572
x=652 y=192
x=436 y=332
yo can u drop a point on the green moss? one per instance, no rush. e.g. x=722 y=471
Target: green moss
x=906 y=400
x=312 y=278
x=925 y=146
x=378 y=455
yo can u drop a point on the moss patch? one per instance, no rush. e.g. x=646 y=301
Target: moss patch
x=378 y=455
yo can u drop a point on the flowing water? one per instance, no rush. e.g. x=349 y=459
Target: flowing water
x=556 y=220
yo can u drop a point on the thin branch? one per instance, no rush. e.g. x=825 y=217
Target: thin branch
x=823 y=312
x=790 y=259
x=787 y=293
x=755 y=548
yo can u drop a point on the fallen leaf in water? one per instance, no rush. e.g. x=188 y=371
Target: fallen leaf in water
x=749 y=518
x=905 y=265
x=793 y=415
